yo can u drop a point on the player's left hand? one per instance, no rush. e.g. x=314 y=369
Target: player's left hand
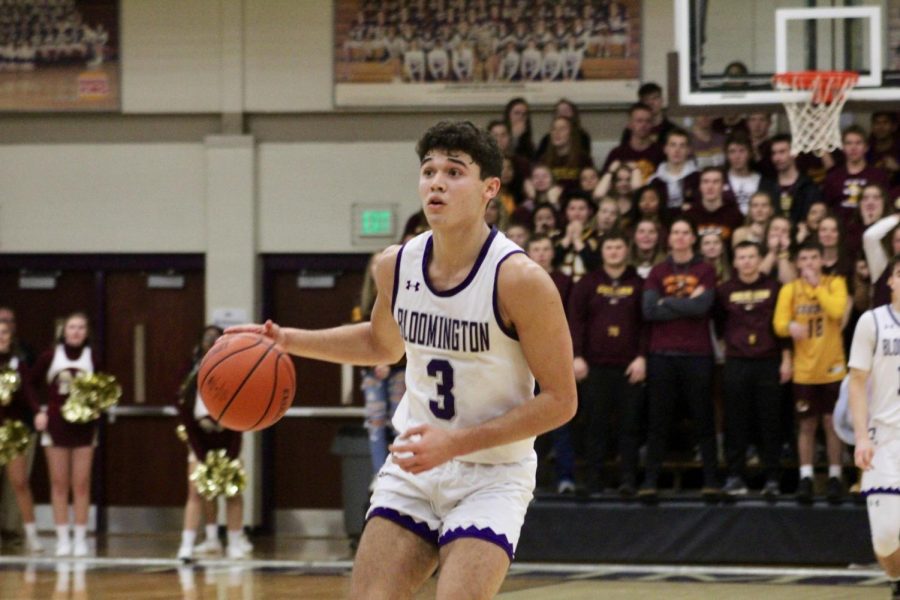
x=421 y=448
x=863 y=454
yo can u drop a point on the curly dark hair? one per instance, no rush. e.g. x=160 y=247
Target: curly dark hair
x=464 y=136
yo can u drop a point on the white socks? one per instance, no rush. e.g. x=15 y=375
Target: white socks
x=188 y=536
x=212 y=531
x=235 y=538
x=806 y=471
x=835 y=471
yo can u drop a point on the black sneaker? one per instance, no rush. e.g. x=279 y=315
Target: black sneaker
x=895 y=590
x=711 y=493
x=805 y=491
x=649 y=493
x=626 y=490
x=735 y=486
x=771 y=490
x=834 y=491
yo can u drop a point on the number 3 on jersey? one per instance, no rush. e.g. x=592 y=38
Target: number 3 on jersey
x=445 y=406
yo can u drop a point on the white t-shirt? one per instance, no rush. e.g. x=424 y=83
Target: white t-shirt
x=743 y=188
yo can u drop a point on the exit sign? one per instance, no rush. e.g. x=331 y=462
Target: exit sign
x=376 y=223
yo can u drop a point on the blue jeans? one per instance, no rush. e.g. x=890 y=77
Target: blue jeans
x=382 y=397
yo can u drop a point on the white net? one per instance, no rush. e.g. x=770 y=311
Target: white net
x=815 y=120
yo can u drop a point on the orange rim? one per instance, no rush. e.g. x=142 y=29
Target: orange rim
x=824 y=84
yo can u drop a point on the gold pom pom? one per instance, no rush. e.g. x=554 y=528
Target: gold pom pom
x=10 y=380
x=14 y=438
x=219 y=475
x=92 y=393
x=181 y=433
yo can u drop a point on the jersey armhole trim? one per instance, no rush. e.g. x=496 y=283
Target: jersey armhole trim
x=396 y=278
x=875 y=347
x=495 y=298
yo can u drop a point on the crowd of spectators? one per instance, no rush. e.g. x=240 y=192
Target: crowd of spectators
x=708 y=273
x=489 y=40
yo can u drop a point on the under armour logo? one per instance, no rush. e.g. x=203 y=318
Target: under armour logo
x=412 y=286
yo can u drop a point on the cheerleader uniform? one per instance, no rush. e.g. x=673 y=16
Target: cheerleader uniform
x=58 y=368
x=203 y=433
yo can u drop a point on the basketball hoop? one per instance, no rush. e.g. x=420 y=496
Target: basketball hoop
x=815 y=120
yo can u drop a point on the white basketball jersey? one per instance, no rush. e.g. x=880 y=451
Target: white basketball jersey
x=463 y=366
x=876 y=348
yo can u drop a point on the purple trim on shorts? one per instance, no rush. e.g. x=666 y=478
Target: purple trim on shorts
x=496 y=299
x=487 y=534
x=880 y=491
x=429 y=247
x=420 y=529
x=396 y=278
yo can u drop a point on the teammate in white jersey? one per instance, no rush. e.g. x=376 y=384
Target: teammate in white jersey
x=476 y=318
x=875 y=360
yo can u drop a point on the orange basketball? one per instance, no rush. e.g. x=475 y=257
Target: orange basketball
x=246 y=381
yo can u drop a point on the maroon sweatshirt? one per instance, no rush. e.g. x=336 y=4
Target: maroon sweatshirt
x=843 y=191
x=605 y=318
x=743 y=316
x=679 y=324
x=724 y=220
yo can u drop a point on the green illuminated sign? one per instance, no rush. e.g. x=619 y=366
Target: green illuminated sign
x=376 y=223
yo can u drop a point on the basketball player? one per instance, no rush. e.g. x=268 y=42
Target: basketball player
x=874 y=361
x=476 y=318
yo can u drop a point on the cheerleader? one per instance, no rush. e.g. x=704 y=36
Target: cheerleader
x=204 y=435
x=69 y=447
x=18 y=410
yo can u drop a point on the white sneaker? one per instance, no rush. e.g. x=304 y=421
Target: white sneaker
x=246 y=544
x=33 y=545
x=237 y=552
x=63 y=547
x=81 y=548
x=185 y=553
x=209 y=546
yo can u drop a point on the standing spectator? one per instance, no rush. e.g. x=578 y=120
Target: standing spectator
x=880 y=242
x=742 y=181
x=712 y=249
x=517 y=116
x=712 y=213
x=541 y=187
x=568 y=109
x=495 y=214
x=619 y=182
x=610 y=349
x=565 y=156
x=755 y=366
x=677 y=178
x=872 y=207
x=758 y=126
x=884 y=145
x=806 y=229
x=21 y=348
x=651 y=94
x=649 y=205
x=647 y=248
x=607 y=218
x=708 y=144
x=69 y=446
x=204 y=435
x=796 y=190
x=578 y=248
x=518 y=234
x=677 y=298
x=835 y=259
x=588 y=179
x=499 y=130
x=759 y=214
x=844 y=184
x=810 y=311
x=777 y=260
x=640 y=150
x=545 y=220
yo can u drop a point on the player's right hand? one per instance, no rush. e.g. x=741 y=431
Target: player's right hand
x=269 y=329
x=863 y=454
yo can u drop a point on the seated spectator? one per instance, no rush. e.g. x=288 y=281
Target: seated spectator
x=619 y=182
x=577 y=249
x=884 y=145
x=796 y=190
x=545 y=220
x=677 y=298
x=755 y=366
x=817 y=211
x=843 y=185
x=758 y=126
x=518 y=234
x=610 y=346
x=759 y=214
x=677 y=178
x=872 y=207
x=565 y=157
x=712 y=249
x=712 y=213
x=517 y=116
x=495 y=214
x=588 y=179
x=708 y=145
x=607 y=217
x=640 y=150
x=521 y=166
x=743 y=181
x=651 y=94
x=649 y=205
x=776 y=262
x=541 y=187
x=568 y=109
x=647 y=246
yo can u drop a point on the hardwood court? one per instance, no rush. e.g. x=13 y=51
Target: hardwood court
x=142 y=568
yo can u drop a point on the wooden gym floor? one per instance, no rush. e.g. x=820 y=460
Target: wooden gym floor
x=142 y=568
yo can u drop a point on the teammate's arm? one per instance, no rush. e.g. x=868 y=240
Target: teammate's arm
x=530 y=303
x=375 y=342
